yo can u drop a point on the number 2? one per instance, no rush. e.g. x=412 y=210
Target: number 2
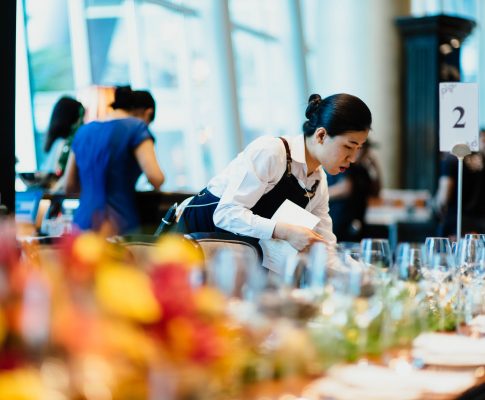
x=459 y=124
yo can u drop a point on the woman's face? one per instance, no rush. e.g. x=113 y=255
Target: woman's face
x=336 y=153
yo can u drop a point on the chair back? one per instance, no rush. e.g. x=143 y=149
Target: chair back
x=140 y=248
x=212 y=242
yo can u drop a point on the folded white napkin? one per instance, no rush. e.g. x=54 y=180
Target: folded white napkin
x=375 y=383
x=449 y=350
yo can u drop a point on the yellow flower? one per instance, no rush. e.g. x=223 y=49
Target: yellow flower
x=21 y=384
x=126 y=292
x=130 y=342
x=209 y=301
x=174 y=248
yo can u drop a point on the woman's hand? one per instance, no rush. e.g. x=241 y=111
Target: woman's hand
x=299 y=237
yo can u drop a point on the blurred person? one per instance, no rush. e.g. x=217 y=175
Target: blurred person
x=67 y=116
x=106 y=160
x=243 y=198
x=349 y=194
x=473 y=193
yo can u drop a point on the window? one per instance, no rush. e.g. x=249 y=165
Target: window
x=265 y=76
x=50 y=67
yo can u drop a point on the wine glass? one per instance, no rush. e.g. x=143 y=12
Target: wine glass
x=470 y=259
x=409 y=261
x=435 y=245
x=367 y=306
x=403 y=318
x=439 y=270
x=376 y=252
x=236 y=274
x=469 y=254
x=479 y=236
x=305 y=279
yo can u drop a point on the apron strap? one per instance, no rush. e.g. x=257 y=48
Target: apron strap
x=288 y=156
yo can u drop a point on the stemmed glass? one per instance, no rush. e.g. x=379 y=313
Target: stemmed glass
x=376 y=255
x=479 y=236
x=436 y=245
x=308 y=271
x=408 y=263
x=376 y=252
x=368 y=305
x=302 y=288
x=237 y=275
x=439 y=270
x=470 y=259
x=437 y=254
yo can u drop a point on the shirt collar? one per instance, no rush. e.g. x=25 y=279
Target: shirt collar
x=297 y=150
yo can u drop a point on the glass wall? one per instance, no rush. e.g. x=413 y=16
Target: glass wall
x=264 y=72
x=49 y=66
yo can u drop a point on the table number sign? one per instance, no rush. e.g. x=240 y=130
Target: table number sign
x=458 y=115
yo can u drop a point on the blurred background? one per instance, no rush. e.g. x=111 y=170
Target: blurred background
x=224 y=72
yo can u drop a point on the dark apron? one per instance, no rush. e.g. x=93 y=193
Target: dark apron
x=198 y=215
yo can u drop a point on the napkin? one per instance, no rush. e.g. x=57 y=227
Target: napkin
x=378 y=382
x=449 y=350
x=277 y=252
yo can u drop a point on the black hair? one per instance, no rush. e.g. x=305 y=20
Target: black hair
x=338 y=114
x=64 y=116
x=144 y=100
x=124 y=98
x=128 y=99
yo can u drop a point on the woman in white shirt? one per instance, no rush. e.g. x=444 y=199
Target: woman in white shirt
x=243 y=197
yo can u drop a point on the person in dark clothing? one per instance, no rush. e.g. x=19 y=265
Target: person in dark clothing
x=473 y=194
x=349 y=194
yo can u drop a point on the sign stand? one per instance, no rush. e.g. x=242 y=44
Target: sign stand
x=459 y=129
x=460 y=151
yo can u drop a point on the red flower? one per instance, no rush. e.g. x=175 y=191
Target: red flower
x=172 y=289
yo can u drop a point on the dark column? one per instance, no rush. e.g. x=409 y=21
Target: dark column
x=7 y=110
x=431 y=54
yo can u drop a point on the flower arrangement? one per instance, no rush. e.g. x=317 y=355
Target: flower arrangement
x=80 y=319
x=83 y=318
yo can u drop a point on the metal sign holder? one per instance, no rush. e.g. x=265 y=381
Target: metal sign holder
x=460 y=151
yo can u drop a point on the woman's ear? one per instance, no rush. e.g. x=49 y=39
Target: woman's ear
x=148 y=115
x=320 y=134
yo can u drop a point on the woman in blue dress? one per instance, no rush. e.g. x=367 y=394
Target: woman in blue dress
x=106 y=160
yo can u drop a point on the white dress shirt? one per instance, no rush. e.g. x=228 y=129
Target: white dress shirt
x=254 y=172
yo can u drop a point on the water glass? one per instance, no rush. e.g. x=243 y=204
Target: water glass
x=376 y=252
x=409 y=262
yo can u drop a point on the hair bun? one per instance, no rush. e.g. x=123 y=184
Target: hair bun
x=313 y=102
x=123 y=98
x=314 y=97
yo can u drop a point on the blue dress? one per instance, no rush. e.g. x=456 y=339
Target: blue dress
x=108 y=171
